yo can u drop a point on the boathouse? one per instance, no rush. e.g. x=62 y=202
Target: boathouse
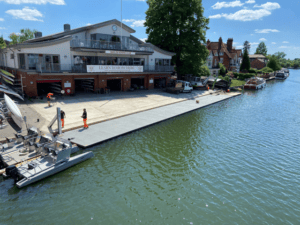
x=91 y=58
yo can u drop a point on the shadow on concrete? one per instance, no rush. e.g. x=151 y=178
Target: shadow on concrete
x=83 y=97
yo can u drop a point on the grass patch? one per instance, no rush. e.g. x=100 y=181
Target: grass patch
x=235 y=83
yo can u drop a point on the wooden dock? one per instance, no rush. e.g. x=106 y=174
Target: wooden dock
x=108 y=130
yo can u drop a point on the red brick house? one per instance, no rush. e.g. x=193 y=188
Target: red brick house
x=226 y=54
x=258 y=61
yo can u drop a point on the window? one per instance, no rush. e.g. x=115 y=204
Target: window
x=221 y=60
x=221 y=53
x=162 y=62
x=33 y=59
x=22 y=61
x=12 y=56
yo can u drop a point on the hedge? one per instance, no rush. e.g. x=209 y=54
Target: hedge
x=243 y=76
x=252 y=71
x=266 y=70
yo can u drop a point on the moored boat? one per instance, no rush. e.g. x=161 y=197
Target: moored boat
x=55 y=157
x=255 y=83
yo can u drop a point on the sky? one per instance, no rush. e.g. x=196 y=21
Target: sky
x=276 y=22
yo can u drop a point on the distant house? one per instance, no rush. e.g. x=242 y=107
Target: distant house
x=226 y=54
x=258 y=61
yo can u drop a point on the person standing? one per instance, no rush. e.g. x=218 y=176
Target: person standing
x=84 y=116
x=62 y=117
x=49 y=98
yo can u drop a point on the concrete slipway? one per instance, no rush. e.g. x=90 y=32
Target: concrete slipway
x=107 y=130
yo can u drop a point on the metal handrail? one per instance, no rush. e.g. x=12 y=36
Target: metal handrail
x=108 y=45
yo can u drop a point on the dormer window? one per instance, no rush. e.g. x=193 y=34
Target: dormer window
x=221 y=53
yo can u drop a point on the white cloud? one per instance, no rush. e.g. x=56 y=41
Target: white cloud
x=144 y=39
x=254 y=43
x=262 y=39
x=2 y=28
x=37 y=2
x=126 y=20
x=240 y=46
x=268 y=6
x=244 y=15
x=251 y=34
x=141 y=0
x=284 y=47
x=273 y=43
x=217 y=16
x=1 y=19
x=266 y=31
x=135 y=23
x=26 y=14
x=250 y=2
x=235 y=43
x=285 y=42
x=220 y=5
x=88 y=24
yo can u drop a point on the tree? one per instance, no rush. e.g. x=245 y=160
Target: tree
x=25 y=34
x=296 y=64
x=274 y=63
x=280 y=55
x=245 y=61
x=222 y=69
x=2 y=43
x=247 y=46
x=179 y=26
x=261 y=49
x=204 y=71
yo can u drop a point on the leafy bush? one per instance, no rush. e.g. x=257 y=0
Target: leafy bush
x=266 y=70
x=235 y=74
x=243 y=76
x=204 y=71
x=222 y=69
x=251 y=70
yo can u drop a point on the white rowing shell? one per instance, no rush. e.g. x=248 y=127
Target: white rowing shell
x=15 y=111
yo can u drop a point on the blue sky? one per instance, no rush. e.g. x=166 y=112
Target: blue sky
x=275 y=22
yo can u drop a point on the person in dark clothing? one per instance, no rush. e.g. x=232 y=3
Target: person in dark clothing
x=84 y=116
x=49 y=98
x=62 y=117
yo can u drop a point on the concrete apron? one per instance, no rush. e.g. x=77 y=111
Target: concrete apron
x=109 y=129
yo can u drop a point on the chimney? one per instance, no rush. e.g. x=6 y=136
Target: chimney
x=38 y=34
x=220 y=43
x=208 y=42
x=67 y=27
x=229 y=44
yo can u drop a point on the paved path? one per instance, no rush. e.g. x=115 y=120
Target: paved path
x=113 y=128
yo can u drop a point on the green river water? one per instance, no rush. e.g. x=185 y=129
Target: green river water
x=235 y=162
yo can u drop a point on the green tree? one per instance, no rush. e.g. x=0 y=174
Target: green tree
x=274 y=63
x=245 y=61
x=296 y=64
x=204 y=71
x=179 y=26
x=222 y=69
x=280 y=55
x=2 y=43
x=25 y=34
x=247 y=46
x=261 y=49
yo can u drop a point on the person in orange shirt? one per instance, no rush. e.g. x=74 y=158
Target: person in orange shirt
x=62 y=117
x=84 y=116
x=49 y=98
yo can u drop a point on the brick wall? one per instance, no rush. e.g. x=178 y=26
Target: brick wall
x=257 y=64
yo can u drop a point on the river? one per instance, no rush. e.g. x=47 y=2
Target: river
x=235 y=162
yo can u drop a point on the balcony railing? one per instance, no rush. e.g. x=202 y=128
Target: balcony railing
x=82 y=68
x=106 y=45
